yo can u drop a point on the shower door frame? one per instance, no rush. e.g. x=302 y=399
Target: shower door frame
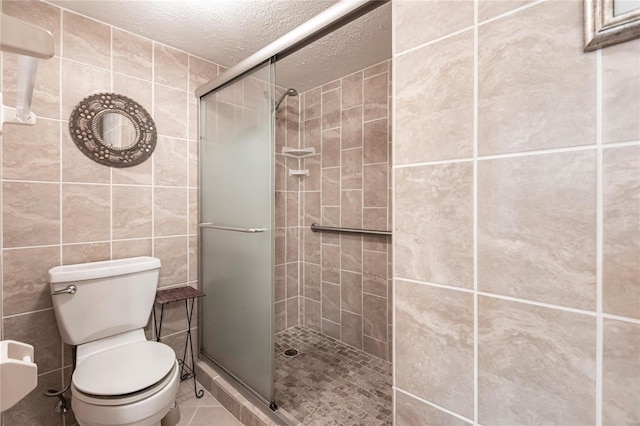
x=201 y=101
x=336 y=16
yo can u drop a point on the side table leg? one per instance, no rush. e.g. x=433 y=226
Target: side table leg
x=188 y=345
x=158 y=326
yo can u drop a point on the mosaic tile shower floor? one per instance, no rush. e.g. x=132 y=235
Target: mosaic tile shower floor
x=330 y=383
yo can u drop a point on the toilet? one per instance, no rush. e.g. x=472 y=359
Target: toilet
x=120 y=377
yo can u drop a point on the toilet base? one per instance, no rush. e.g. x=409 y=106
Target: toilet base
x=172 y=418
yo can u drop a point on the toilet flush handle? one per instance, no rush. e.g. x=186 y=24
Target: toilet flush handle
x=71 y=289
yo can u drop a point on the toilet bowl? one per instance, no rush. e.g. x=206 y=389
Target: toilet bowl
x=120 y=378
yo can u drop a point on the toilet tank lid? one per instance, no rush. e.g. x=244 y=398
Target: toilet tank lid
x=106 y=268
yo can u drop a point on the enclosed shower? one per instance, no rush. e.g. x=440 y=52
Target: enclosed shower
x=294 y=248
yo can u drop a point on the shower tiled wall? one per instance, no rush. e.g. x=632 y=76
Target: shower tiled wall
x=345 y=278
x=59 y=207
x=517 y=217
x=287 y=216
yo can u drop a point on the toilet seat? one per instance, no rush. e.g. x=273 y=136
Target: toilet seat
x=125 y=373
x=144 y=408
x=127 y=398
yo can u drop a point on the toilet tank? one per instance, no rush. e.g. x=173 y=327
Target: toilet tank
x=111 y=297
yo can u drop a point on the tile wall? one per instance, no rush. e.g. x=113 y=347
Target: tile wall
x=344 y=283
x=287 y=215
x=517 y=217
x=59 y=207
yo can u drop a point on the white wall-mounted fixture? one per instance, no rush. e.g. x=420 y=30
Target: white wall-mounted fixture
x=298 y=152
x=299 y=173
x=18 y=372
x=30 y=43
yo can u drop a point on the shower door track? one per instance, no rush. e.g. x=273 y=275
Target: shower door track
x=314 y=29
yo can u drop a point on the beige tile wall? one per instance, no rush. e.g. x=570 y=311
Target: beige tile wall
x=517 y=217
x=59 y=207
x=345 y=279
x=287 y=216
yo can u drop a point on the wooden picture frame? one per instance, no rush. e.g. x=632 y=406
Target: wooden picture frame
x=602 y=27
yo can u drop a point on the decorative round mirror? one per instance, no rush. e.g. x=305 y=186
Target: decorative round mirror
x=113 y=130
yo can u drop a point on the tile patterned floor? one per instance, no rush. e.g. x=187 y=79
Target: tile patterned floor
x=201 y=411
x=330 y=383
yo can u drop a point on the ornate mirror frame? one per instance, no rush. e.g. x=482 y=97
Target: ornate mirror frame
x=603 y=28
x=84 y=126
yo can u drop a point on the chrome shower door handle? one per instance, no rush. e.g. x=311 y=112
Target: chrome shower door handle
x=70 y=289
x=230 y=228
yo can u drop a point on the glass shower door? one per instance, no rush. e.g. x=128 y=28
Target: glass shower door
x=236 y=223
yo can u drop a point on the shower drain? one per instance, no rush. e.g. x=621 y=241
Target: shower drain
x=291 y=352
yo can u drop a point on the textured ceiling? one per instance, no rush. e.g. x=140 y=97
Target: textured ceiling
x=227 y=31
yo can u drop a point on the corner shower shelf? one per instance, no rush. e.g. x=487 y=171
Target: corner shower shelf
x=299 y=173
x=298 y=152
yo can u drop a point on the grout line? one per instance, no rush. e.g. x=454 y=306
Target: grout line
x=434 y=41
x=392 y=244
x=60 y=142
x=475 y=214
x=189 y=218
x=111 y=83
x=28 y=313
x=333 y=128
x=328 y=320
x=511 y=12
x=153 y=160
x=373 y=76
x=430 y=284
x=432 y=163
x=621 y=318
x=537 y=152
x=520 y=154
x=373 y=120
x=194 y=414
x=111 y=214
x=300 y=128
x=525 y=301
x=98 y=242
x=111 y=58
x=382 y=163
x=453 y=34
x=52 y=182
x=599 y=240
x=539 y=304
x=96 y=184
x=299 y=235
x=362 y=191
x=2 y=333
x=620 y=144
x=132 y=77
x=424 y=401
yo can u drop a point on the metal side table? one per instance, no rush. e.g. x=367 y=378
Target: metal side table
x=178 y=294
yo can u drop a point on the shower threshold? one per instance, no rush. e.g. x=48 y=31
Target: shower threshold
x=330 y=383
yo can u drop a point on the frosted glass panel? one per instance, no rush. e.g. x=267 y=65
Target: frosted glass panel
x=236 y=268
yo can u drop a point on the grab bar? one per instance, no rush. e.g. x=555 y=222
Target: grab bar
x=230 y=228
x=70 y=289
x=318 y=228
